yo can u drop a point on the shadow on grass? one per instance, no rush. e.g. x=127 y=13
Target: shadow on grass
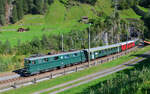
x=127 y=81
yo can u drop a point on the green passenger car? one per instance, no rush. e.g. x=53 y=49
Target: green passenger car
x=35 y=65
x=104 y=51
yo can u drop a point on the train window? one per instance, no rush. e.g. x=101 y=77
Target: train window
x=61 y=57
x=56 y=58
x=66 y=56
x=74 y=55
x=33 y=62
x=46 y=59
x=96 y=53
x=39 y=61
x=27 y=61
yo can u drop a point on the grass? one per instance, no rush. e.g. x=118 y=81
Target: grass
x=143 y=9
x=80 y=89
x=53 y=82
x=62 y=20
x=129 y=13
x=29 y=21
x=71 y=91
x=96 y=84
x=104 y=6
x=57 y=20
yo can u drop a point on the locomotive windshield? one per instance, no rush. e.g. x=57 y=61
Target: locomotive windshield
x=27 y=61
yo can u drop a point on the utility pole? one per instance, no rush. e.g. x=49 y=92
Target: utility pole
x=89 y=44
x=62 y=37
x=62 y=42
x=114 y=16
x=115 y=11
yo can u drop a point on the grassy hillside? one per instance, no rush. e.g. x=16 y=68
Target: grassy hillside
x=143 y=9
x=58 y=19
x=104 y=6
x=34 y=22
x=128 y=13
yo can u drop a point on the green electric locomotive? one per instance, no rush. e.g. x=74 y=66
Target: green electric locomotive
x=34 y=65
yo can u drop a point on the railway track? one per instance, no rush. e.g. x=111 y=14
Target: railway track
x=12 y=83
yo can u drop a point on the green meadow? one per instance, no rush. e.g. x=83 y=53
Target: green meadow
x=143 y=9
x=57 y=20
x=129 y=13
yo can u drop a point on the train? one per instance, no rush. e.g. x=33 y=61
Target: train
x=37 y=64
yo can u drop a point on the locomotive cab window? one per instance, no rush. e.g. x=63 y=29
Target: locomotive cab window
x=33 y=62
x=27 y=61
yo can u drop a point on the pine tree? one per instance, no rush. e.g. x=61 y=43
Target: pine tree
x=45 y=7
x=50 y=1
x=30 y=5
x=14 y=15
x=39 y=6
x=2 y=12
x=25 y=6
x=19 y=6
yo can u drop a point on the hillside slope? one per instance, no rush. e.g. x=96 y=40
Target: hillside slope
x=59 y=19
